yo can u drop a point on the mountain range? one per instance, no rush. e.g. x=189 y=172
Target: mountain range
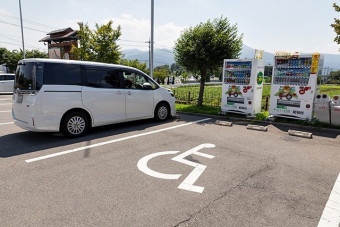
x=166 y=57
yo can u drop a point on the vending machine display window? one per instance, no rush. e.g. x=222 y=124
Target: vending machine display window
x=242 y=86
x=295 y=85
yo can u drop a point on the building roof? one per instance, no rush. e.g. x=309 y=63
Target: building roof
x=60 y=31
x=60 y=35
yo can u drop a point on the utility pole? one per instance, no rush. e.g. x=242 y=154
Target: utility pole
x=151 y=42
x=81 y=27
x=22 y=30
x=149 y=54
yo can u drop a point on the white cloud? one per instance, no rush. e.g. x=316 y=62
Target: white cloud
x=135 y=32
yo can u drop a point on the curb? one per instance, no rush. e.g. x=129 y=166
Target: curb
x=243 y=120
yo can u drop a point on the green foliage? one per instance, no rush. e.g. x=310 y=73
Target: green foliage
x=197 y=109
x=135 y=64
x=262 y=116
x=161 y=72
x=336 y=25
x=202 y=48
x=11 y=58
x=335 y=75
x=213 y=94
x=99 y=44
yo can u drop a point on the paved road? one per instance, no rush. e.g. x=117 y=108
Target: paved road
x=251 y=178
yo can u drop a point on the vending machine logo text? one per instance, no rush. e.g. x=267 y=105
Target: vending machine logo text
x=298 y=112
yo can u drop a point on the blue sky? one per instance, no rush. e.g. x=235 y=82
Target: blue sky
x=271 y=25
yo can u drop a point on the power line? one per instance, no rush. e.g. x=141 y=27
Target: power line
x=16 y=25
x=122 y=44
x=33 y=22
x=16 y=44
x=133 y=41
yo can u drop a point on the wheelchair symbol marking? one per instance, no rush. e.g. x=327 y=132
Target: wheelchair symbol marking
x=188 y=182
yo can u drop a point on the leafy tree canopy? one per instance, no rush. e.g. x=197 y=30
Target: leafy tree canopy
x=202 y=48
x=335 y=75
x=11 y=58
x=134 y=63
x=336 y=25
x=100 y=44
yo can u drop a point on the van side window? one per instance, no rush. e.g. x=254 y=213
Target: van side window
x=102 y=78
x=2 y=77
x=133 y=80
x=62 y=74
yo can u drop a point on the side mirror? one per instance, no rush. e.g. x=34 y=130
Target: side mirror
x=147 y=86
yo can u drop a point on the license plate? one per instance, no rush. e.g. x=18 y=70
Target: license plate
x=19 y=99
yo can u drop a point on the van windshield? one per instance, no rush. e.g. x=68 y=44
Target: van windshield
x=28 y=76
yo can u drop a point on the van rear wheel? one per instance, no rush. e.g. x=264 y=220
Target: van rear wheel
x=75 y=124
x=162 y=112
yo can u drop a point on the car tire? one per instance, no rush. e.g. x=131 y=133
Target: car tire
x=162 y=112
x=75 y=124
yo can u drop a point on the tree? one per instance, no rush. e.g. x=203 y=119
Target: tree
x=335 y=75
x=11 y=58
x=336 y=25
x=134 y=63
x=202 y=48
x=99 y=44
x=83 y=52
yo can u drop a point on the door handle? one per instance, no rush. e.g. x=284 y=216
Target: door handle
x=119 y=92
x=129 y=93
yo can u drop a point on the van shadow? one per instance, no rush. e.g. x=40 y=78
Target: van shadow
x=28 y=142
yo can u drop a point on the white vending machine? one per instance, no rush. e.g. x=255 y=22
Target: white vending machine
x=242 y=86
x=295 y=82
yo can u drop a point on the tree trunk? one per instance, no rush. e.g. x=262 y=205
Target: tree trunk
x=200 y=96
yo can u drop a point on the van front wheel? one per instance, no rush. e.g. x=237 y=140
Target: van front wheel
x=162 y=112
x=75 y=124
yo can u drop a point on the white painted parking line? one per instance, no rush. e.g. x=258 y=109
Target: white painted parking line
x=5 y=100
x=5 y=104
x=5 y=111
x=331 y=214
x=7 y=123
x=111 y=141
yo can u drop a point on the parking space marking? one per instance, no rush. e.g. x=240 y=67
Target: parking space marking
x=331 y=214
x=7 y=123
x=143 y=166
x=188 y=182
x=111 y=141
x=4 y=104
x=5 y=111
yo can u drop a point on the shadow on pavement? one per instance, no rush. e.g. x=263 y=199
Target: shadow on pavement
x=27 y=142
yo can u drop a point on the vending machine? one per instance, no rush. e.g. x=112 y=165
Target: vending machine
x=295 y=82
x=242 y=86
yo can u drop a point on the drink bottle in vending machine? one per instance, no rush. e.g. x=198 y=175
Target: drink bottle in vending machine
x=295 y=83
x=242 y=86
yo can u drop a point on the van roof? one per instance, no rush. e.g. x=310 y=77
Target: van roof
x=88 y=63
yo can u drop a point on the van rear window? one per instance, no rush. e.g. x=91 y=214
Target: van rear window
x=28 y=76
x=62 y=74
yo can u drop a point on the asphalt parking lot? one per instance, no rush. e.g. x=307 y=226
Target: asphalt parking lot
x=187 y=171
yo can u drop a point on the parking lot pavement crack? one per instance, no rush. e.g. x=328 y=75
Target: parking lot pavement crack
x=252 y=175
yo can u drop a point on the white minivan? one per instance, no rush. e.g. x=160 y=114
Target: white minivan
x=73 y=96
x=6 y=82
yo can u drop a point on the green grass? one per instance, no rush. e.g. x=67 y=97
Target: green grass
x=195 y=109
x=212 y=102
x=212 y=94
